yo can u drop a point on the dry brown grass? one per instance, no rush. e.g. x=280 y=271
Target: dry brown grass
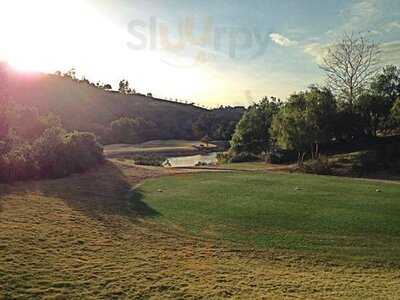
x=85 y=238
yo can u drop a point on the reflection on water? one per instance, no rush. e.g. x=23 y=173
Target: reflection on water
x=191 y=161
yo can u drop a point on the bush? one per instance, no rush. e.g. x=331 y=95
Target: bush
x=48 y=152
x=54 y=154
x=318 y=166
x=223 y=157
x=18 y=164
x=282 y=157
x=244 y=157
x=82 y=151
x=149 y=161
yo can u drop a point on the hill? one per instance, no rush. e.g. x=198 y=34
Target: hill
x=85 y=107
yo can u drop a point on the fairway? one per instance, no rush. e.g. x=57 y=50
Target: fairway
x=94 y=236
x=351 y=219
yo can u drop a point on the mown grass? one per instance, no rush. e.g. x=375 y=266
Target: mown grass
x=352 y=219
x=91 y=236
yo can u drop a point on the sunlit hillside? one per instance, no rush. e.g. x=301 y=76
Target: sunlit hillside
x=84 y=107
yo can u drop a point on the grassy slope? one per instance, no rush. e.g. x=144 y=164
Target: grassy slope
x=90 y=237
x=331 y=215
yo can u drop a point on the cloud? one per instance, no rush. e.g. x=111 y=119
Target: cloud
x=282 y=40
x=392 y=26
x=391 y=52
x=360 y=10
x=317 y=51
x=359 y=14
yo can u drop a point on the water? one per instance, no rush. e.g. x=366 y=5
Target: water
x=191 y=161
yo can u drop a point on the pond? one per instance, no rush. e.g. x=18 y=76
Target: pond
x=191 y=161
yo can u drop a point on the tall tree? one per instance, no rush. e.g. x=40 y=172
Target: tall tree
x=252 y=133
x=374 y=111
x=305 y=121
x=387 y=83
x=350 y=64
x=124 y=87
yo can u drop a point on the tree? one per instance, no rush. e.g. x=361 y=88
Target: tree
x=218 y=124
x=71 y=74
x=252 y=133
x=349 y=65
x=320 y=113
x=374 y=111
x=107 y=86
x=124 y=87
x=131 y=131
x=387 y=83
x=291 y=131
x=305 y=121
x=396 y=110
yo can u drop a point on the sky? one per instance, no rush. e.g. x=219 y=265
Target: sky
x=226 y=52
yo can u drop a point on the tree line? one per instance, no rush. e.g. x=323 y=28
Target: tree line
x=361 y=101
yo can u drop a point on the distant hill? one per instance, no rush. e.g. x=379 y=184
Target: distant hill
x=85 y=107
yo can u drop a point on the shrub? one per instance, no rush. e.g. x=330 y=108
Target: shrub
x=18 y=164
x=54 y=154
x=244 y=157
x=82 y=151
x=223 y=157
x=282 y=157
x=156 y=161
x=48 y=151
x=318 y=166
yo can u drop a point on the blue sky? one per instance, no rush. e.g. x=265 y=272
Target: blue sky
x=237 y=51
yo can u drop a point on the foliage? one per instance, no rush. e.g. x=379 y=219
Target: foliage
x=318 y=166
x=280 y=156
x=252 y=133
x=124 y=88
x=37 y=147
x=59 y=154
x=218 y=124
x=223 y=157
x=387 y=83
x=306 y=120
x=82 y=106
x=395 y=112
x=132 y=131
x=244 y=157
x=374 y=111
x=149 y=160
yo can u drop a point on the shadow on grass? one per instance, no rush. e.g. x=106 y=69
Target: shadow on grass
x=101 y=194
x=4 y=190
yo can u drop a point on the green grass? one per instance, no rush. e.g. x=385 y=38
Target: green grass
x=90 y=236
x=335 y=216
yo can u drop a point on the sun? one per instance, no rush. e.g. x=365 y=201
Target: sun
x=43 y=35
